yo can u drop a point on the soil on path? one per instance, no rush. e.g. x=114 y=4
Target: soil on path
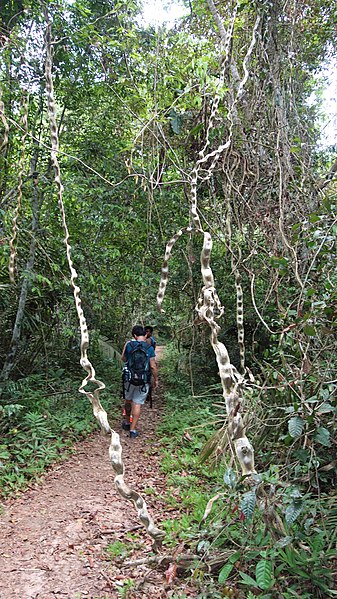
x=54 y=536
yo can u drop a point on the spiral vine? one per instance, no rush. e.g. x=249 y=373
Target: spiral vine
x=4 y=142
x=209 y=308
x=115 y=450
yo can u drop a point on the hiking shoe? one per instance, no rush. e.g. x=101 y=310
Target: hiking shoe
x=134 y=434
x=125 y=426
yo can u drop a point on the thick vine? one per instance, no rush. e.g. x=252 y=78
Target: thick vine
x=115 y=449
x=209 y=307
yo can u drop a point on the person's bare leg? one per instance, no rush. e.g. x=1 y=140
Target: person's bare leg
x=136 y=407
x=128 y=408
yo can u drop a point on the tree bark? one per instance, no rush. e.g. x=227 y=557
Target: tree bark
x=26 y=280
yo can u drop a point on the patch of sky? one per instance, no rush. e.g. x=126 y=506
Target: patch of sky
x=327 y=99
x=158 y=13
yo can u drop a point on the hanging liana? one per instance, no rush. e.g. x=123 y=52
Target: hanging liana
x=4 y=141
x=115 y=449
x=209 y=307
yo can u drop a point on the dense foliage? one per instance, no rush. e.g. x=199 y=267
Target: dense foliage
x=228 y=529
x=134 y=107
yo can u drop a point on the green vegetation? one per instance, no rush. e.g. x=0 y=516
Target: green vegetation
x=118 y=549
x=273 y=538
x=41 y=421
x=213 y=124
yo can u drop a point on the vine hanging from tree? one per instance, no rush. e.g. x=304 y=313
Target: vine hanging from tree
x=209 y=307
x=115 y=449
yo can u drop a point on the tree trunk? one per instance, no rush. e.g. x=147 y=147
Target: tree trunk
x=26 y=281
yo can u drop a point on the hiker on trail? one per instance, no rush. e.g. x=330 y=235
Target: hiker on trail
x=149 y=338
x=151 y=341
x=140 y=364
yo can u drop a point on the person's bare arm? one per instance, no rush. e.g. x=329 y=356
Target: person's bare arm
x=154 y=372
x=123 y=358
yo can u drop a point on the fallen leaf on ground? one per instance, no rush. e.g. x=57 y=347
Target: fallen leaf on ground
x=171 y=573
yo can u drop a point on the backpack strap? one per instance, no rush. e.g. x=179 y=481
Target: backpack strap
x=142 y=344
x=132 y=344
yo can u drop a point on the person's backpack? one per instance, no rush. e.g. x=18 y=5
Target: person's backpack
x=139 y=363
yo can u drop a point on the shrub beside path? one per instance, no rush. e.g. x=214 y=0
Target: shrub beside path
x=54 y=535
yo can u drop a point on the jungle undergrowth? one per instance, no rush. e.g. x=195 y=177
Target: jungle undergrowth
x=41 y=420
x=272 y=540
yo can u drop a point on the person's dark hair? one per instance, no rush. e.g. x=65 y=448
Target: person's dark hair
x=138 y=331
x=148 y=328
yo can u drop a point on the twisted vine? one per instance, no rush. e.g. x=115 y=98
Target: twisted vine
x=4 y=142
x=238 y=288
x=209 y=307
x=231 y=380
x=164 y=268
x=115 y=449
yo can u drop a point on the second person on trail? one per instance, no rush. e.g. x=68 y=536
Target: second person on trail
x=149 y=336
x=148 y=330
x=140 y=364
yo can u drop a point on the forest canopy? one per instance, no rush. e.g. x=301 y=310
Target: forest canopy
x=140 y=144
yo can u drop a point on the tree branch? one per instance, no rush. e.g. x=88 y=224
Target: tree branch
x=328 y=177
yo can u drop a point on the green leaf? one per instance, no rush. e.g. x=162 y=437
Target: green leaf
x=295 y=426
x=309 y=330
x=293 y=511
x=196 y=129
x=229 y=478
x=264 y=574
x=176 y=121
x=323 y=436
x=248 y=580
x=4 y=454
x=325 y=408
x=248 y=504
x=225 y=572
x=234 y=557
x=283 y=542
x=310 y=292
x=278 y=261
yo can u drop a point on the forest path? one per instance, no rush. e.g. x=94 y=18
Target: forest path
x=53 y=537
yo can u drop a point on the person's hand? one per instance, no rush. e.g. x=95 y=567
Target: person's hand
x=155 y=384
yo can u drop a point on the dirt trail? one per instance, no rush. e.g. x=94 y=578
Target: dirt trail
x=53 y=537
